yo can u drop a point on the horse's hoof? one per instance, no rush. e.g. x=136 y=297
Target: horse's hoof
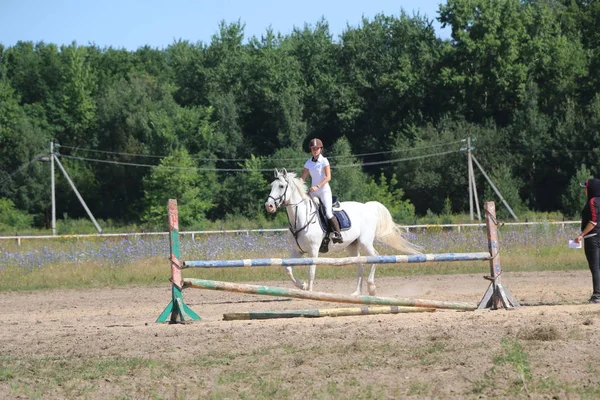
x=372 y=289
x=357 y=293
x=304 y=286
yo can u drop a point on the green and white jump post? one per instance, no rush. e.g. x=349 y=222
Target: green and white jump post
x=495 y=297
x=177 y=309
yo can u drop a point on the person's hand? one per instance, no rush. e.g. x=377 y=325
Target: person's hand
x=578 y=239
x=314 y=188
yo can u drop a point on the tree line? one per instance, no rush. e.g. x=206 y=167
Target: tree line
x=206 y=122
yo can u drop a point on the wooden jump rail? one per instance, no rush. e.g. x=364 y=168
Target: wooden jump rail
x=495 y=297
x=322 y=296
x=324 y=312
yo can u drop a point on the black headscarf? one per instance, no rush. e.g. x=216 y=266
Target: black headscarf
x=593 y=187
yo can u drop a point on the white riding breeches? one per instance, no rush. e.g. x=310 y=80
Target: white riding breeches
x=324 y=194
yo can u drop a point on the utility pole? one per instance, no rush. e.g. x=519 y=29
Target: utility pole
x=52 y=188
x=470 y=173
x=475 y=191
x=54 y=158
x=495 y=189
x=471 y=179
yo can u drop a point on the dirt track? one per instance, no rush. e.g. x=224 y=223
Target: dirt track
x=442 y=354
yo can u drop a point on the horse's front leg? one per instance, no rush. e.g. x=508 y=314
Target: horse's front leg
x=298 y=282
x=289 y=271
x=312 y=269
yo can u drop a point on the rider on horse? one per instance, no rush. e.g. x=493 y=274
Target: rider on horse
x=320 y=174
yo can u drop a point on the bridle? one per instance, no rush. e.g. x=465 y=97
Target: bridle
x=281 y=199
x=294 y=230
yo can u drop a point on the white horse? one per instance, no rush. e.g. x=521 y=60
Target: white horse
x=369 y=221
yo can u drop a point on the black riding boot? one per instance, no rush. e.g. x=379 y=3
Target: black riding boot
x=335 y=227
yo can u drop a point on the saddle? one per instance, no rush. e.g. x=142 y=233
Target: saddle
x=339 y=213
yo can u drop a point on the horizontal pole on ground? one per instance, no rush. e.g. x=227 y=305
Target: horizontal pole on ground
x=264 y=262
x=326 y=312
x=321 y=296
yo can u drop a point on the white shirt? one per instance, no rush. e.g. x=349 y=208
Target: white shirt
x=316 y=169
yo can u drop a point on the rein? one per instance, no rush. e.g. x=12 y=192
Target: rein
x=294 y=230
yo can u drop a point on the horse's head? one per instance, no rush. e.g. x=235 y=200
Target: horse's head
x=279 y=191
x=284 y=190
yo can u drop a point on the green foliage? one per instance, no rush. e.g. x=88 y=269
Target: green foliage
x=285 y=157
x=509 y=187
x=387 y=66
x=348 y=182
x=273 y=87
x=447 y=210
x=77 y=108
x=426 y=177
x=23 y=138
x=391 y=196
x=11 y=218
x=70 y=226
x=573 y=198
x=249 y=188
x=178 y=178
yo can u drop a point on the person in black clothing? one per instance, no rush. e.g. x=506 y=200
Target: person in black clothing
x=590 y=233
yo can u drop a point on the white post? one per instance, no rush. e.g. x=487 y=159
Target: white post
x=53 y=223
x=470 y=174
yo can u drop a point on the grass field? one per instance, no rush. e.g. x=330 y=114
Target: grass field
x=106 y=262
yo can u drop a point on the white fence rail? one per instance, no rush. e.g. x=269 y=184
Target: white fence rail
x=193 y=234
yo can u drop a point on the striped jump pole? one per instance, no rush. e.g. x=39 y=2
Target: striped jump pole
x=325 y=312
x=264 y=262
x=176 y=310
x=321 y=296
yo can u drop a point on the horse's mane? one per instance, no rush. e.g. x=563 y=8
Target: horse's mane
x=301 y=186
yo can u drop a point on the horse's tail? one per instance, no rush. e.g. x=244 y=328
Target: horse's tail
x=389 y=233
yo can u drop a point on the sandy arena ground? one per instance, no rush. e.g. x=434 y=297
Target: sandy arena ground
x=560 y=332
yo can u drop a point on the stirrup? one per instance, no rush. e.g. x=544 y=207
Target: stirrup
x=337 y=237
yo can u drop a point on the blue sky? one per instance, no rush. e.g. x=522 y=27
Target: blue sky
x=131 y=24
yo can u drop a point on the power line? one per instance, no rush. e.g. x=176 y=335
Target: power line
x=398 y=159
x=114 y=152
x=251 y=170
x=157 y=166
x=400 y=150
x=277 y=160
x=22 y=167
